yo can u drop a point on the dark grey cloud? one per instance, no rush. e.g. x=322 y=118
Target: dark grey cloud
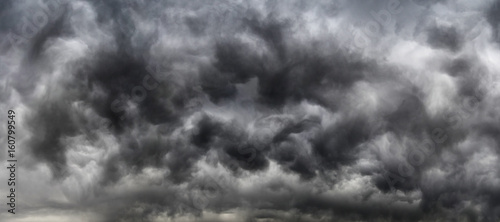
x=445 y=37
x=254 y=111
x=493 y=18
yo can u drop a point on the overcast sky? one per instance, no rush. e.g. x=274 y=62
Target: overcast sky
x=252 y=110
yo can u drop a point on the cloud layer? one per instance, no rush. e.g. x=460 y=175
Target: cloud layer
x=175 y=110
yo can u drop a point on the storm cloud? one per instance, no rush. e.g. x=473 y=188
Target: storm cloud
x=172 y=110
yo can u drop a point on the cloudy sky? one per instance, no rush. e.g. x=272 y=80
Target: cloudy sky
x=252 y=110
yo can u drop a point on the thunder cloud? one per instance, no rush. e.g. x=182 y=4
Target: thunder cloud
x=259 y=110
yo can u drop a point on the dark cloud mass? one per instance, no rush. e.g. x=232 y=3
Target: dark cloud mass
x=173 y=110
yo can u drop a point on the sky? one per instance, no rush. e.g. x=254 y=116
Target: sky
x=251 y=111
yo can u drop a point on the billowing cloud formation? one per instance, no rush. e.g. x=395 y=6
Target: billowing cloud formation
x=176 y=110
